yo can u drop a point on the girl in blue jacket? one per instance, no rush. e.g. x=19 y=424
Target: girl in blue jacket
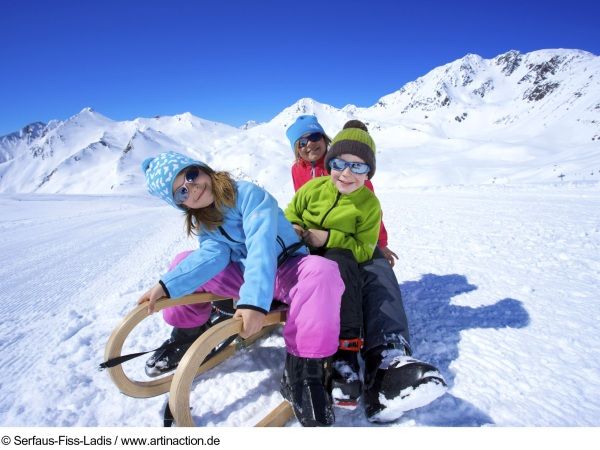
x=242 y=233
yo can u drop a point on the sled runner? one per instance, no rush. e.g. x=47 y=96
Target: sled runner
x=193 y=363
x=179 y=397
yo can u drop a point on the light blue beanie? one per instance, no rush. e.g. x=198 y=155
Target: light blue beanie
x=161 y=172
x=303 y=125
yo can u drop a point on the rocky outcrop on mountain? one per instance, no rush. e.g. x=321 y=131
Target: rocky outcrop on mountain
x=538 y=75
x=27 y=134
x=25 y=137
x=249 y=124
x=486 y=87
x=509 y=62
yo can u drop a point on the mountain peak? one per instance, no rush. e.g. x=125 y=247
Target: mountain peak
x=306 y=104
x=30 y=131
x=87 y=114
x=306 y=100
x=249 y=124
x=471 y=57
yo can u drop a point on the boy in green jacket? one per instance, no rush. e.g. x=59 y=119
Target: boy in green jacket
x=339 y=218
x=338 y=211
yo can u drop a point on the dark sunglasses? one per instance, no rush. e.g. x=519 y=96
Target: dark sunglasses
x=182 y=193
x=303 y=141
x=355 y=167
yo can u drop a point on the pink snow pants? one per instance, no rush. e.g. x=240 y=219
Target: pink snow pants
x=312 y=288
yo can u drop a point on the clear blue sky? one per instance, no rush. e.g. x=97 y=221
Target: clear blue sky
x=233 y=61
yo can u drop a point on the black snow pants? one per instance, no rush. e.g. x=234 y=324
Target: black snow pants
x=372 y=306
x=384 y=319
x=351 y=311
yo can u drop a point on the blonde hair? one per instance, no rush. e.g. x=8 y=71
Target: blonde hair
x=297 y=147
x=211 y=217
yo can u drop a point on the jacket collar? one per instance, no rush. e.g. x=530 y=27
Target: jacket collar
x=320 y=163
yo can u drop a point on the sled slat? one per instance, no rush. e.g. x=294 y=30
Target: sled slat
x=278 y=417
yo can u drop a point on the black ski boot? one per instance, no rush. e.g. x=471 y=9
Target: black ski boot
x=304 y=386
x=167 y=359
x=346 y=385
x=395 y=382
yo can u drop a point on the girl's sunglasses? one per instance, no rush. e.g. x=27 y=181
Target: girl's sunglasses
x=182 y=193
x=303 y=141
x=355 y=167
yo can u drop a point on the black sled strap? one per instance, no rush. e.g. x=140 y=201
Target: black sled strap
x=121 y=359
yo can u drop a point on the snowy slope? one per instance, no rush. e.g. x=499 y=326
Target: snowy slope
x=500 y=284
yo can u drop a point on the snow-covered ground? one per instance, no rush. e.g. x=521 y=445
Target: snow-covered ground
x=501 y=286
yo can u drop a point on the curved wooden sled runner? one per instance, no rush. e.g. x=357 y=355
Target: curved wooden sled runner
x=179 y=398
x=190 y=366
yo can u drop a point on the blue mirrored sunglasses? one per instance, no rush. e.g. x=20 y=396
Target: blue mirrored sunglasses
x=355 y=167
x=314 y=137
x=182 y=193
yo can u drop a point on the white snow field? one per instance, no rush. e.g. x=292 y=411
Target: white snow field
x=501 y=285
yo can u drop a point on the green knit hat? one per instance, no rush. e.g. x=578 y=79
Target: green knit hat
x=354 y=141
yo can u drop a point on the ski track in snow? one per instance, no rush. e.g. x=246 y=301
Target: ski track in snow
x=500 y=287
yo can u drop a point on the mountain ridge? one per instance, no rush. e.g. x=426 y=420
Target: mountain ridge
x=515 y=117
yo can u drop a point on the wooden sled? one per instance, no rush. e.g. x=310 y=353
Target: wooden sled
x=191 y=364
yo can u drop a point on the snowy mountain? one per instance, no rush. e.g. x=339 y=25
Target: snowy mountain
x=516 y=118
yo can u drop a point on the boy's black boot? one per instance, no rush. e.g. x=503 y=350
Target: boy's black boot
x=395 y=382
x=304 y=385
x=346 y=385
x=167 y=359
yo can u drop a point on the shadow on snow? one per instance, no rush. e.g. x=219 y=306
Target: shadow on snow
x=435 y=327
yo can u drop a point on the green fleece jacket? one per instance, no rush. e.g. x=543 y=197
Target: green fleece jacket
x=351 y=219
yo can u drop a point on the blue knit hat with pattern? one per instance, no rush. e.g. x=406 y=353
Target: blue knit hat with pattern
x=161 y=172
x=303 y=125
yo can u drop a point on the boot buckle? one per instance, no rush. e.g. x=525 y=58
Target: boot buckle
x=351 y=345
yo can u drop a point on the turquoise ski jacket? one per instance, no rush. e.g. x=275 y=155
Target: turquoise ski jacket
x=254 y=233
